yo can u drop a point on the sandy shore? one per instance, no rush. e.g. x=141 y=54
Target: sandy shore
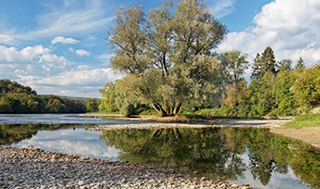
x=34 y=168
x=309 y=135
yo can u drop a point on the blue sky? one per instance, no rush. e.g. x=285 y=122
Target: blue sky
x=59 y=47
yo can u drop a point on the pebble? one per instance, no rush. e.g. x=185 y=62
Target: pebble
x=33 y=168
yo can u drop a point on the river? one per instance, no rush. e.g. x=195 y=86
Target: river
x=239 y=155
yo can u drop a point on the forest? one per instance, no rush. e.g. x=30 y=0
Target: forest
x=16 y=98
x=275 y=88
x=171 y=65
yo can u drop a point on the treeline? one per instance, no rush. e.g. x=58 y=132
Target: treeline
x=16 y=98
x=169 y=58
x=275 y=88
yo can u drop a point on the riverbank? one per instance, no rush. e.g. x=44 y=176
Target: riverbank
x=206 y=124
x=34 y=168
x=309 y=135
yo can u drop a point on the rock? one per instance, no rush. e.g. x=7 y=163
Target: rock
x=234 y=186
x=246 y=184
x=81 y=183
x=70 y=171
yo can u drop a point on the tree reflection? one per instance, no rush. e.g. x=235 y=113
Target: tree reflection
x=187 y=150
x=11 y=134
x=218 y=153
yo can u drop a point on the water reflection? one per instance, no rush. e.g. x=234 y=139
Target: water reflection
x=238 y=155
x=58 y=138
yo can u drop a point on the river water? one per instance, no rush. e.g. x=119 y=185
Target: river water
x=239 y=155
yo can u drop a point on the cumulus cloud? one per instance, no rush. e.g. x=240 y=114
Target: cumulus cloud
x=81 y=80
x=37 y=56
x=82 y=52
x=64 y=40
x=48 y=73
x=290 y=27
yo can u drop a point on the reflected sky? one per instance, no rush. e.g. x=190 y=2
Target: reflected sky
x=69 y=141
x=278 y=180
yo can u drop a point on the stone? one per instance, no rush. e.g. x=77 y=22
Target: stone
x=81 y=183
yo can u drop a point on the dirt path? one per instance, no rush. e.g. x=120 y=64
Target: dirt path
x=309 y=135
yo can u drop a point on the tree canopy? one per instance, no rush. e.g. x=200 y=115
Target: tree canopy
x=168 y=54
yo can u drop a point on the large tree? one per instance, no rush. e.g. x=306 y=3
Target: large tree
x=234 y=65
x=263 y=63
x=168 y=55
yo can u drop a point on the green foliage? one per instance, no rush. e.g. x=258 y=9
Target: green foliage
x=262 y=95
x=285 y=100
x=263 y=63
x=233 y=64
x=92 y=104
x=16 y=98
x=305 y=120
x=108 y=102
x=307 y=87
x=167 y=55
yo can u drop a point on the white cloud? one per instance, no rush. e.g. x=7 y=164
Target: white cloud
x=64 y=40
x=31 y=54
x=222 y=8
x=81 y=76
x=290 y=27
x=36 y=60
x=82 y=52
x=5 y=39
x=81 y=81
x=48 y=73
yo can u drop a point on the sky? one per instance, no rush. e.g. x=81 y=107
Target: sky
x=60 y=47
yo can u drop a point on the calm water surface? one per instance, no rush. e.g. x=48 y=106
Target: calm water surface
x=239 y=155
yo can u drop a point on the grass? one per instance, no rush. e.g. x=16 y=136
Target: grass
x=306 y=120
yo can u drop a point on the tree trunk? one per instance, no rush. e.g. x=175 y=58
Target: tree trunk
x=177 y=133
x=176 y=108
x=160 y=109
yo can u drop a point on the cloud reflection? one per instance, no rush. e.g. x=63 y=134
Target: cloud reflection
x=69 y=141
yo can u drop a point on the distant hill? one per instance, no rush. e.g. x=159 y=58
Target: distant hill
x=16 y=98
x=70 y=97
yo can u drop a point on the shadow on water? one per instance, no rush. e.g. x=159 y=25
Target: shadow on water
x=226 y=153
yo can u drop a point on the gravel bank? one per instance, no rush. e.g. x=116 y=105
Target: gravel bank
x=34 y=168
x=217 y=123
